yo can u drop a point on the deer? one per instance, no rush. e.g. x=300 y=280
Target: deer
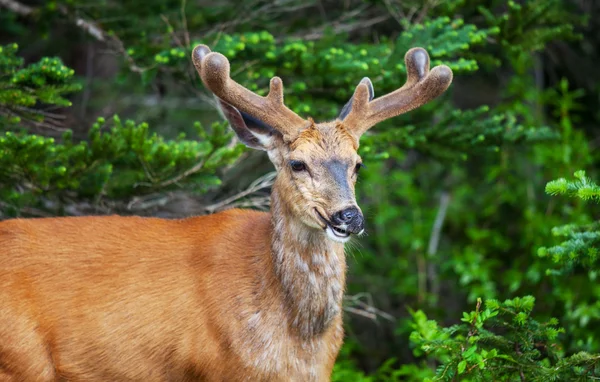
x=239 y=295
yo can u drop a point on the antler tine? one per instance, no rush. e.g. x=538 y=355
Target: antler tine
x=214 y=70
x=421 y=87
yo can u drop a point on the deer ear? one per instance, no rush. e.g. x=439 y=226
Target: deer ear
x=348 y=106
x=252 y=132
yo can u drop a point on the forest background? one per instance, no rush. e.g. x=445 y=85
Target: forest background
x=481 y=259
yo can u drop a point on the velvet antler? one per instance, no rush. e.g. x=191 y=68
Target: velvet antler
x=421 y=87
x=214 y=68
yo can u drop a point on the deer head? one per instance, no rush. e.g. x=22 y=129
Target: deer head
x=317 y=163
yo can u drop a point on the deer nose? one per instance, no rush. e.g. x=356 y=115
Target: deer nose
x=351 y=217
x=345 y=216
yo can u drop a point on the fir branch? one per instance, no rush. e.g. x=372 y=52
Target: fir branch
x=583 y=188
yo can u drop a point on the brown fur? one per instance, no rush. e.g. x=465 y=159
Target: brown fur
x=235 y=296
x=314 y=146
x=114 y=298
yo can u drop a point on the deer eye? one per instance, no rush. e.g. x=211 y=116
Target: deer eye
x=358 y=167
x=297 y=165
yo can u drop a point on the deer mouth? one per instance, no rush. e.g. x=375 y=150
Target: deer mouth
x=335 y=233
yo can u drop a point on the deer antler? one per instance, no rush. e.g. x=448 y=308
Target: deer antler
x=421 y=87
x=214 y=69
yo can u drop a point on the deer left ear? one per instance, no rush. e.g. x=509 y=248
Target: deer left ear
x=348 y=106
x=252 y=132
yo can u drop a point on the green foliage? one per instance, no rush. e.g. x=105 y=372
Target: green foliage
x=347 y=370
x=583 y=188
x=457 y=134
x=500 y=342
x=580 y=246
x=118 y=159
x=528 y=26
x=581 y=242
x=23 y=88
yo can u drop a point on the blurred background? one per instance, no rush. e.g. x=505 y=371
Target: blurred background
x=480 y=261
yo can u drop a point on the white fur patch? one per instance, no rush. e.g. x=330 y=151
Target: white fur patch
x=263 y=139
x=300 y=263
x=318 y=259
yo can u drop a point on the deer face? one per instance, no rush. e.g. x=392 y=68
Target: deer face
x=317 y=164
x=319 y=170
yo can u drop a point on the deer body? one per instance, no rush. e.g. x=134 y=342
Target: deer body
x=201 y=304
x=235 y=296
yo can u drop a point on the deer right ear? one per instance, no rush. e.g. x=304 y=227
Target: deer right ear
x=348 y=106
x=252 y=132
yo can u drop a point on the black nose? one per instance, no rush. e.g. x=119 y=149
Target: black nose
x=351 y=217
x=344 y=216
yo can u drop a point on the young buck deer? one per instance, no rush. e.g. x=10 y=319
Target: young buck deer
x=235 y=296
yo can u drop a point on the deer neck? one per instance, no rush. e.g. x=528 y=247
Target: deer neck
x=310 y=269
